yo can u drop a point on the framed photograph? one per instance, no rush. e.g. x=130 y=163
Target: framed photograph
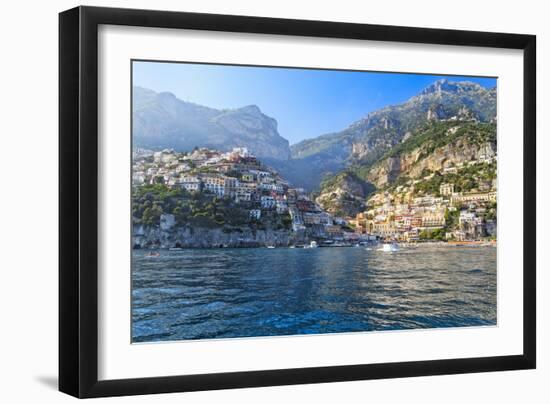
x=251 y=201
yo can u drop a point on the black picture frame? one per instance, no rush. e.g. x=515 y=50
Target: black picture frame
x=78 y=201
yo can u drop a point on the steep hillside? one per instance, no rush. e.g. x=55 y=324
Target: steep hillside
x=461 y=152
x=366 y=140
x=344 y=194
x=435 y=147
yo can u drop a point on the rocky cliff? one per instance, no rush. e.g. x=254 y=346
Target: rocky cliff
x=368 y=139
x=196 y=237
x=435 y=147
x=413 y=164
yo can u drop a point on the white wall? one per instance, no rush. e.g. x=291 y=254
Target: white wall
x=28 y=202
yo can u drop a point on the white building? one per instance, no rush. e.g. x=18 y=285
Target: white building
x=255 y=214
x=427 y=201
x=215 y=185
x=466 y=217
x=165 y=156
x=241 y=152
x=138 y=178
x=190 y=183
x=267 y=202
x=243 y=196
x=446 y=189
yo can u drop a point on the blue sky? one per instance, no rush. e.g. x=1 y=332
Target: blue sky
x=306 y=103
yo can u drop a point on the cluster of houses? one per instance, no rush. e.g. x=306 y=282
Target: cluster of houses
x=239 y=175
x=236 y=174
x=407 y=221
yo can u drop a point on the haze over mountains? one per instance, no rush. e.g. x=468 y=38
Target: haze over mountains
x=163 y=121
x=160 y=120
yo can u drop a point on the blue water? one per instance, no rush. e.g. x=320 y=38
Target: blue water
x=225 y=293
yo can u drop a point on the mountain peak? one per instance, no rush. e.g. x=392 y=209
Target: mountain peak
x=251 y=109
x=445 y=85
x=162 y=120
x=166 y=95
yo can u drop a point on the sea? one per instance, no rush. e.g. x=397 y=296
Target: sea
x=194 y=294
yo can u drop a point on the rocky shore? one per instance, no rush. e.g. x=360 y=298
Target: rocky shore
x=187 y=237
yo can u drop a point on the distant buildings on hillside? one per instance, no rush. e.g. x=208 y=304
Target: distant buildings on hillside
x=238 y=175
x=452 y=216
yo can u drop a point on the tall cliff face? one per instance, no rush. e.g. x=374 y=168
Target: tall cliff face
x=160 y=120
x=414 y=163
x=435 y=147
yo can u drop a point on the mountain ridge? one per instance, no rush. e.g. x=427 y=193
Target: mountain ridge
x=364 y=141
x=161 y=120
x=440 y=100
x=184 y=125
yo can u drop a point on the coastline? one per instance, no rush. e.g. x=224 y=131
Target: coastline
x=290 y=243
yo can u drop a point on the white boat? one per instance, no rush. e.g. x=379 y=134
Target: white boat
x=270 y=246
x=175 y=249
x=387 y=247
x=312 y=244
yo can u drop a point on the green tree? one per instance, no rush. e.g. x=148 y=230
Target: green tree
x=151 y=215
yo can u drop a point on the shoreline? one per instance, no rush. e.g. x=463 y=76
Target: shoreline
x=300 y=247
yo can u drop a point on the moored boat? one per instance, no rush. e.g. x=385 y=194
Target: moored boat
x=312 y=244
x=389 y=247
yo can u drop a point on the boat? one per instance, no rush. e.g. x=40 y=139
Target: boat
x=292 y=246
x=175 y=249
x=152 y=254
x=313 y=244
x=270 y=246
x=387 y=247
